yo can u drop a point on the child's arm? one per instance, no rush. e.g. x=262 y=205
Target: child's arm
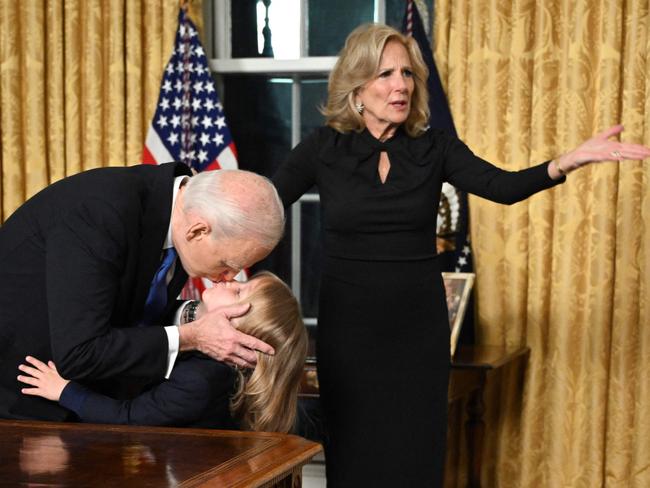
x=198 y=389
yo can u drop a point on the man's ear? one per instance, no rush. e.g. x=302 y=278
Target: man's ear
x=197 y=230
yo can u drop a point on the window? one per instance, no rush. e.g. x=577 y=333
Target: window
x=271 y=59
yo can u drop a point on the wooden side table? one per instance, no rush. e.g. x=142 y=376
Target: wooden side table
x=469 y=369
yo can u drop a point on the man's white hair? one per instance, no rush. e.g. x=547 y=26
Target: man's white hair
x=238 y=204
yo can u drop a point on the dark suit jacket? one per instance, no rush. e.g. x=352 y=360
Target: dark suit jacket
x=76 y=262
x=197 y=394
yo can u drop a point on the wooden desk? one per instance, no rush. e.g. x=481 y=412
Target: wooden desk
x=64 y=454
x=469 y=369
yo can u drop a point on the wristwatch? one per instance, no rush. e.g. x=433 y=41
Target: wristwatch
x=189 y=312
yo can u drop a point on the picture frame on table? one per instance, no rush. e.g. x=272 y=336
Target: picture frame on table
x=458 y=287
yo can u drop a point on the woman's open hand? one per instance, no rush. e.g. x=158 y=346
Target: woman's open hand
x=602 y=148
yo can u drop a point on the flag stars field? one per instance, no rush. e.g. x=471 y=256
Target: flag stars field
x=189 y=124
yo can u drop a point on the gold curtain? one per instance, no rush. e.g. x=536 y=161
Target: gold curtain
x=79 y=81
x=566 y=272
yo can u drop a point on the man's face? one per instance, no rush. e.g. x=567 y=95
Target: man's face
x=218 y=259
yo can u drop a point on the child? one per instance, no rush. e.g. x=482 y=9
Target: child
x=199 y=391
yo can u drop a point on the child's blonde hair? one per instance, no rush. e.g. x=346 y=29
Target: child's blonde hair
x=266 y=399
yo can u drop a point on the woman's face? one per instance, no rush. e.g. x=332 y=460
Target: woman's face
x=227 y=293
x=387 y=97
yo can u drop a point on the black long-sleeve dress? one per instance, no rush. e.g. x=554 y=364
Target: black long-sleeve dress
x=383 y=331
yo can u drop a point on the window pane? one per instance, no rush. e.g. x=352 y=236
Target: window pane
x=280 y=36
x=330 y=23
x=253 y=37
x=243 y=18
x=258 y=112
x=313 y=95
x=310 y=258
x=395 y=13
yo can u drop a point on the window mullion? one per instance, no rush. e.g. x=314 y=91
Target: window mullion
x=380 y=11
x=304 y=39
x=296 y=250
x=221 y=25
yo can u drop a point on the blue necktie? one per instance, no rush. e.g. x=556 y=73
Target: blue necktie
x=157 y=298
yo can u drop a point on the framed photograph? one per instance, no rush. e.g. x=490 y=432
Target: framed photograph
x=458 y=287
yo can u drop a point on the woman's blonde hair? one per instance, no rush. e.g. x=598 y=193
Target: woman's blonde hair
x=357 y=64
x=266 y=399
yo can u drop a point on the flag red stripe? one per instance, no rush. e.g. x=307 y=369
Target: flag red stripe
x=147 y=157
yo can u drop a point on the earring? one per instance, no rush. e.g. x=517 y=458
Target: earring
x=359 y=106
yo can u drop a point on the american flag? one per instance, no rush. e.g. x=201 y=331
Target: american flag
x=189 y=125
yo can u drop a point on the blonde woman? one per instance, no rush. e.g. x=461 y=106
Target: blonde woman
x=201 y=392
x=383 y=331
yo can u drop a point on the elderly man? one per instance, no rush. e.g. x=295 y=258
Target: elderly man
x=89 y=264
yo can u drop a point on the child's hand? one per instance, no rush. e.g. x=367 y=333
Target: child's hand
x=43 y=377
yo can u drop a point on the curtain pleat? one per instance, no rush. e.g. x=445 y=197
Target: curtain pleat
x=54 y=91
x=565 y=272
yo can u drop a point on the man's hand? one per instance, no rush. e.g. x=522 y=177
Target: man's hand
x=214 y=335
x=44 y=378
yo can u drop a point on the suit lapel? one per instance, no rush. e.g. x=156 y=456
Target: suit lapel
x=155 y=223
x=176 y=284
